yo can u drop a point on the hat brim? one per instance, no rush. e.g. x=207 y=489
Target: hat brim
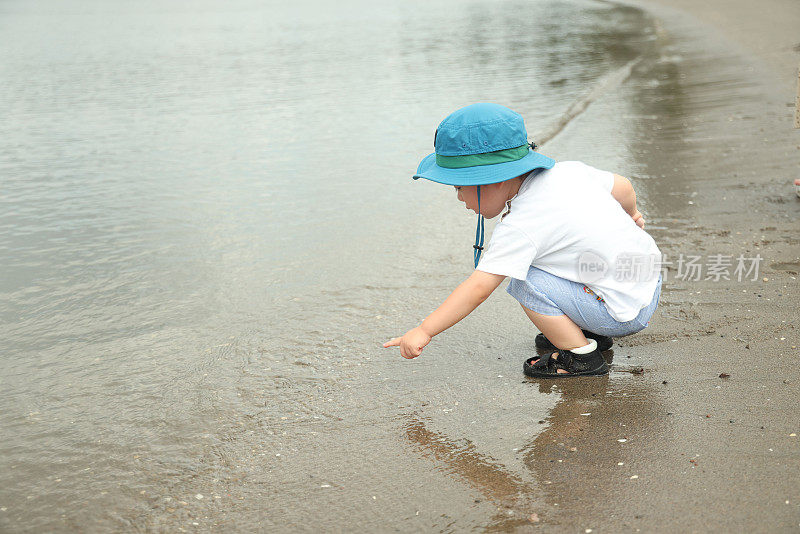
x=481 y=174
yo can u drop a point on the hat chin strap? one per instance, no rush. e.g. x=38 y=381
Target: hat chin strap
x=478 y=246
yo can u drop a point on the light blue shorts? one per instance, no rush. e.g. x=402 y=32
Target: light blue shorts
x=548 y=294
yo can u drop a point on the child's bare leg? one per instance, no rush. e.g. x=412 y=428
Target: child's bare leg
x=559 y=329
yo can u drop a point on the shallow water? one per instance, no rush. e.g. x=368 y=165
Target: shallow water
x=208 y=227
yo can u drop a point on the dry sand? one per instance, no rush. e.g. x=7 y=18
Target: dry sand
x=703 y=435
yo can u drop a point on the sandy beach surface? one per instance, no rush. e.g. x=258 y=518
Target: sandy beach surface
x=705 y=437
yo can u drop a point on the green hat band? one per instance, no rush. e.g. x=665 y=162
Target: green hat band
x=488 y=158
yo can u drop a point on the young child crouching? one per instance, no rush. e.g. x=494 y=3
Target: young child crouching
x=570 y=238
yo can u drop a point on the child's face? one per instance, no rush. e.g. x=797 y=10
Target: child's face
x=492 y=199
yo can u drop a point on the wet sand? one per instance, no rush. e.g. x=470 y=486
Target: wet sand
x=702 y=433
x=769 y=31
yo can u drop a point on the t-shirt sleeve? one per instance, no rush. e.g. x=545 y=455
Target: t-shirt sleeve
x=582 y=173
x=604 y=178
x=510 y=253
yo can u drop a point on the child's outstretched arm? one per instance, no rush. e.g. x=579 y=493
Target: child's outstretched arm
x=465 y=298
x=624 y=194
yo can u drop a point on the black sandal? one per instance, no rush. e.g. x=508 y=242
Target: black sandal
x=603 y=342
x=546 y=366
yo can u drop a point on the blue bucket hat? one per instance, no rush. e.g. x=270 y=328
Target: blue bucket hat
x=481 y=144
x=478 y=145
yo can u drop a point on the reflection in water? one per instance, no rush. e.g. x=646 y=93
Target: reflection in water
x=489 y=477
x=575 y=459
x=564 y=466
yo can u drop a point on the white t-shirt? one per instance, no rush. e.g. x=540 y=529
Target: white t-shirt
x=565 y=222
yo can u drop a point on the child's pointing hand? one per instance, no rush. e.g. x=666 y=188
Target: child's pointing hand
x=411 y=344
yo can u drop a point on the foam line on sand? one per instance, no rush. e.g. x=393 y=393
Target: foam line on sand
x=604 y=84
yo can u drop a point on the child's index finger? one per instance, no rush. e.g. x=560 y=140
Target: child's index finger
x=392 y=343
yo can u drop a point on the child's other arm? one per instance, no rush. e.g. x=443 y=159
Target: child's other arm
x=624 y=194
x=465 y=298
